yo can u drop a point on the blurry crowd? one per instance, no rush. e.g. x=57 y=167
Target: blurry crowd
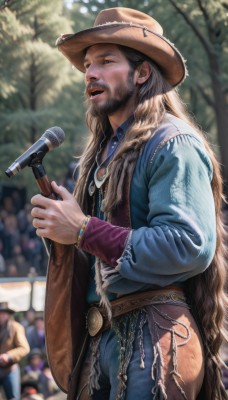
x=36 y=379
x=21 y=251
x=36 y=376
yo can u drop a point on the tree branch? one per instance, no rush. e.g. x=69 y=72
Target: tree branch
x=203 y=10
x=195 y=29
x=206 y=97
x=211 y=29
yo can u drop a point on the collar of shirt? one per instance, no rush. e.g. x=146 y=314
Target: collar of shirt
x=119 y=135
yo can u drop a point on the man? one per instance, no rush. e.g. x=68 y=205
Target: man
x=13 y=348
x=145 y=216
x=36 y=334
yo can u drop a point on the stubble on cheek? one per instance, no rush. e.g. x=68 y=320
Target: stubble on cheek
x=119 y=99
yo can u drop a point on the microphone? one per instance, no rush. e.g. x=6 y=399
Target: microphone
x=51 y=139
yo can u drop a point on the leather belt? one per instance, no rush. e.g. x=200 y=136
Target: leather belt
x=97 y=319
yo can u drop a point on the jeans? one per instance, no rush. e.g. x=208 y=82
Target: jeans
x=166 y=364
x=139 y=381
x=11 y=384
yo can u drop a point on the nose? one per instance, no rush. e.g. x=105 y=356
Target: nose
x=91 y=73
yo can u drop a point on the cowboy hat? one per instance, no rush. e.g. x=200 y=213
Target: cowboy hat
x=5 y=308
x=131 y=28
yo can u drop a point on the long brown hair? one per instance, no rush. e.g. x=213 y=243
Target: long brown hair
x=209 y=301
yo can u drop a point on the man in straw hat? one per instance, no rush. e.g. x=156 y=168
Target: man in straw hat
x=144 y=219
x=13 y=348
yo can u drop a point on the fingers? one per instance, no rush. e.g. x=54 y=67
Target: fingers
x=39 y=200
x=38 y=223
x=58 y=220
x=42 y=201
x=42 y=227
x=38 y=212
x=61 y=191
x=41 y=232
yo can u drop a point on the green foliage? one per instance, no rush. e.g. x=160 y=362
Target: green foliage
x=38 y=87
x=10 y=31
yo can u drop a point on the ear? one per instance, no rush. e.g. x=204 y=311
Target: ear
x=142 y=73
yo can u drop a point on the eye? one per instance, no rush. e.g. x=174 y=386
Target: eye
x=86 y=65
x=108 y=61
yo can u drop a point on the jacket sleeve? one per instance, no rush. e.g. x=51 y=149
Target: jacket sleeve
x=21 y=347
x=178 y=240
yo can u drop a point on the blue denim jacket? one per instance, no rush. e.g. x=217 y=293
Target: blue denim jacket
x=172 y=211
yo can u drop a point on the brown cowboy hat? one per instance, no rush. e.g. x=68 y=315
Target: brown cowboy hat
x=131 y=28
x=5 y=308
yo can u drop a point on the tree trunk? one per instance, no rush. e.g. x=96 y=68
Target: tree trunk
x=214 y=51
x=221 y=112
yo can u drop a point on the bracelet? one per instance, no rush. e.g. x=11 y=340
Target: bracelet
x=82 y=230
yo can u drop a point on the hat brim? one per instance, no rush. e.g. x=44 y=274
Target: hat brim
x=9 y=310
x=140 y=38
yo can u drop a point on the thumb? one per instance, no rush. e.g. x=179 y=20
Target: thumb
x=61 y=191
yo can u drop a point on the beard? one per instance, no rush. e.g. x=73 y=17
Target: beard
x=119 y=99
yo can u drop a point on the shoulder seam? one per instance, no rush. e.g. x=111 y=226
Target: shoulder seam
x=163 y=142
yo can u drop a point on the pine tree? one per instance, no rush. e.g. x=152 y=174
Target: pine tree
x=35 y=78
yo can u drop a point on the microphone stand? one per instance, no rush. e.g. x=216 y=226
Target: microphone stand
x=45 y=189
x=42 y=180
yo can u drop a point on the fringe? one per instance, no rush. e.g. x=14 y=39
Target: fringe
x=100 y=289
x=142 y=322
x=125 y=327
x=127 y=254
x=95 y=370
x=157 y=375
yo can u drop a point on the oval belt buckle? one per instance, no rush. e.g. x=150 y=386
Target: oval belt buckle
x=94 y=321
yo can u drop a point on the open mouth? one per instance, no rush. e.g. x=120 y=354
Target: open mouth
x=94 y=92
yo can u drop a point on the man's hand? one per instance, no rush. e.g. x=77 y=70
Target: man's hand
x=58 y=220
x=5 y=359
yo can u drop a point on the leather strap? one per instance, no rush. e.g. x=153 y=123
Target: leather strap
x=133 y=301
x=97 y=319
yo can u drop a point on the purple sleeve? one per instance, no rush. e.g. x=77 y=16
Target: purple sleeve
x=104 y=240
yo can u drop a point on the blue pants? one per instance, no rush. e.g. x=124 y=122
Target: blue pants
x=162 y=360
x=11 y=384
x=139 y=381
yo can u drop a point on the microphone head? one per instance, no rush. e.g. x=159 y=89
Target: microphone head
x=51 y=139
x=55 y=135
